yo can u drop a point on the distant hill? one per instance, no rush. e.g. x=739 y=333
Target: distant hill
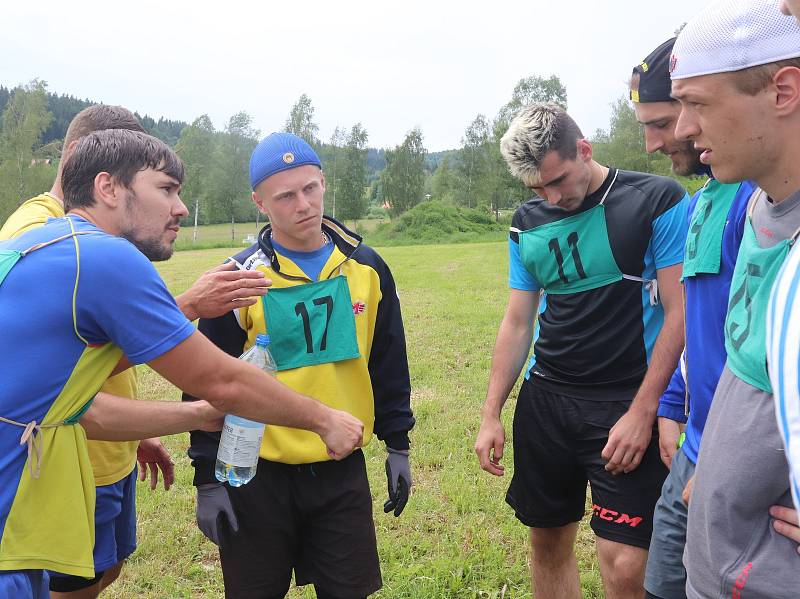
x=64 y=108
x=432 y=159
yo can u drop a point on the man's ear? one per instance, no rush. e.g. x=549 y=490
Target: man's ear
x=107 y=191
x=584 y=149
x=786 y=83
x=67 y=150
x=259 y=202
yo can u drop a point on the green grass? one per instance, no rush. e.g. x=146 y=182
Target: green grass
x=457 y=537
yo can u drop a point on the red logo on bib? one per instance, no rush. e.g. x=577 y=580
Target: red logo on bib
x=359 y=307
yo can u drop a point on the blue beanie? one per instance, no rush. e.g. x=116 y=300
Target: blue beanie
x=279 y=152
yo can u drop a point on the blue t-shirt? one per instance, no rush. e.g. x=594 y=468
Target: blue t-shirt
x=783 y=359
x=310 y=263
x=706 y=308
x=63 y=308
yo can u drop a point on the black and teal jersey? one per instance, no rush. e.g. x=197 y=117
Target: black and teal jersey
x=596 y=343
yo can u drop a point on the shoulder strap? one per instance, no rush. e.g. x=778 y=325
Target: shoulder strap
x=44 y=244
x=605 y=195
x=753 y=201
x=77 y=278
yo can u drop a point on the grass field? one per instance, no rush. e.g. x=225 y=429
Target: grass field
x=457 y=537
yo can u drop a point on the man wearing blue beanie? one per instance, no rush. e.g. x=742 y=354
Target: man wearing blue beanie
x=333 y=317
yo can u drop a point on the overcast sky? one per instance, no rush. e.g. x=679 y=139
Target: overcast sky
x=391 y=66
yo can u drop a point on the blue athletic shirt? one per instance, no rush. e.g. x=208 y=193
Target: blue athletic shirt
x=596 y=344
x=783 y=359
x=66 y=312
x=311 y=263
x=706 y=308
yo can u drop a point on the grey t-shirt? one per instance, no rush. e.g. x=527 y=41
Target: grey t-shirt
x=732 y=550
x=775 y=222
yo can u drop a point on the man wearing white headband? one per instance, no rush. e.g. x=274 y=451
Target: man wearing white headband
x=736 y=71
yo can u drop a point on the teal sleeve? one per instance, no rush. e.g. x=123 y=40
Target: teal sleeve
x=518 y=276
x=669 y=235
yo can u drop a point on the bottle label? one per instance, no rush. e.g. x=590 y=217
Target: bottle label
x=239 y=445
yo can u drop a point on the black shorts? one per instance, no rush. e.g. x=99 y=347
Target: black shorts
x=557 y=445
x=315 y=519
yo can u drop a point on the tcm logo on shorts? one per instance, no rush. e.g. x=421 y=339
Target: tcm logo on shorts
x=741 y=580
x=616 y=517
x=359 y=307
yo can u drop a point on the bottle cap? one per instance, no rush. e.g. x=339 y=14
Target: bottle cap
x=262 y=340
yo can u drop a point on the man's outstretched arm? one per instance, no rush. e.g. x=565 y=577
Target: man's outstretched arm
x=201 y=369
x=112 y=418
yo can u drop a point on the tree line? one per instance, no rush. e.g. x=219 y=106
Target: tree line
x=361 y=181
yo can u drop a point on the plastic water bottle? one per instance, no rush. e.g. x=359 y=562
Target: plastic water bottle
x=240 y=441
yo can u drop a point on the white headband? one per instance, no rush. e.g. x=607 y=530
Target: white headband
x=730 y=35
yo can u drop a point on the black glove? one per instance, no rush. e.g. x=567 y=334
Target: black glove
x=214 y=505
x=398 y=476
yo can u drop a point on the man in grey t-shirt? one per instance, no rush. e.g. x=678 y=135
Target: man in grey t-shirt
x=742 y=109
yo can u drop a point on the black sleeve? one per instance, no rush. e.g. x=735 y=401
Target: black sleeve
x=388 y=367
x=525 y=217
x=225 y=333
x=662 y=193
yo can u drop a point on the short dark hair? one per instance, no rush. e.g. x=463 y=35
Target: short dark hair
x=121 y=154
x=99 y=117
x=754 y=80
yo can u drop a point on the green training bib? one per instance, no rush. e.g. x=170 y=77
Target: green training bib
x=746 y=323
x=704 y=240
x=311 y=324
x=8 y=259
x=572 y=254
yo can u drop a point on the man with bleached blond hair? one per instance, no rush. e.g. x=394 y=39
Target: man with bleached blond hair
x=597 y=256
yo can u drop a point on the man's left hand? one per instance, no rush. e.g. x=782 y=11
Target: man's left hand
x=686 y=495
x=669 y=432
x=153 y=454
x=786 y=522
x=222 y=289
x=627 y=441
x=398 y=476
